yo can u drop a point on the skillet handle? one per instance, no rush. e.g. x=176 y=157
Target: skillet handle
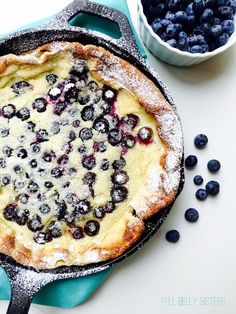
x=24 y=285
x=127 y=39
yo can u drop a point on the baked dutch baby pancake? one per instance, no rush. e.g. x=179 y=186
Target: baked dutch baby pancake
x=89 y=149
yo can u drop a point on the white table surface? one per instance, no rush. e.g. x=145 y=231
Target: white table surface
x=196 y=275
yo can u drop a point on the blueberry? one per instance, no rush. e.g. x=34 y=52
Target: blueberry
x=182 y=44
x=10 y=212
x=165 y=22
x=200 y=140
x=63 y=160
x=128 y=141
x=86 y=134
x=51 y=78
x=41 y=135
x=189 y=9
x=40 y=104
x=196 y=40
x=225 y=13
x=76 y=123
x=119 y=194
x=222 y=40
x=170 y=16
x=78 y=233
x=160 y=9
x=108 y=94
x=205 y=48
x=89 y=178
x=2 y=162
x=72 y=135
x=91 y=228
x=23 y=114
x=101 y=125
x=23 y=198
x=88 y=162
x=104 y=164
x=4 y=180
x=213 y=165
x=82 y=149
x=35 y=223
x=71 y=92
x=130 y=120
x=207 y=16
x=57 y=172
x=79 y=68
x=119 y=164
x=42 y=237
x=174 y=5
x=8 y=111
x=48 y=184
x=99 y=212
x=87 y=113
x=105 y=107
x=198 y=180
x=60 y=210
x=191 y=215
x=212 y=188
x=22 y=217
x=109 y=207
x=157 y=27
x=54 y=93
x=183 y=35
x=172 y=42
x=17 y=169
x=191 y=161
x=100 y=147
x=198 y=6
x=181 y=17
x=93 y=86
x=172 y=30
x=7 y=151
x=172 y=236
x=48 y=156
x=196 y=49
x=201 y=194
x=22 y=153
x=31 y=126
x=33 y=187
x=120 y=177
x=59 y=108
x=228 y=27
x=33 y=163
x=20 y=87
x=44 y=209
x=145 y=134
x=36 y=148
x=55 y=229
x=206 y=28
x=115 y=137
x=216 y=31
x=83 y=100
x=4 y=132
x=191 y=21
x=83 y=207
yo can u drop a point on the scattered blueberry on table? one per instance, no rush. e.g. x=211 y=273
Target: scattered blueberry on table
x=200 y=140
x=212 y=188
x=198 y=180
x=191 y=215
x=191 y=161
x=172 y=236
x=201 y=194
x=213 y=165
x=196 y=26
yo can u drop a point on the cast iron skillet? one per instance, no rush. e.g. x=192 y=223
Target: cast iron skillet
x=25 y=281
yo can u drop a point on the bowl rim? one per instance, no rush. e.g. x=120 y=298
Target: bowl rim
x=231 y=41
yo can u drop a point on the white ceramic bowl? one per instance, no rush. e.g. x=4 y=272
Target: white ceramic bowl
x=169 y=54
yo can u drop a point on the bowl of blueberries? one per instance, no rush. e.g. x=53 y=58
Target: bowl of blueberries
x=187 y=32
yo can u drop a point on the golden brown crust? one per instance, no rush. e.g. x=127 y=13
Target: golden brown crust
x=117 y=73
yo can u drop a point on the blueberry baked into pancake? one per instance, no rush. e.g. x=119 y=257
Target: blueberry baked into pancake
x=89 y=149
